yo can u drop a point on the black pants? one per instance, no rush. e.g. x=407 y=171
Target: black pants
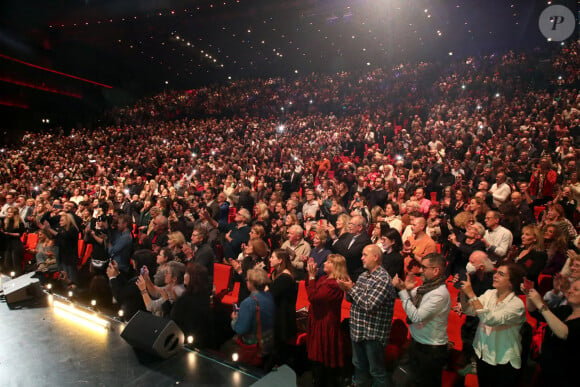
x=13 y=256
x=496 y=375
x=468 y=330
x=426 y=363
x=325 y=376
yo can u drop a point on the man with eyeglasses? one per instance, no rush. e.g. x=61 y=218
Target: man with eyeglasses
x=427 y=308
x=202 y=252
x=352 y=245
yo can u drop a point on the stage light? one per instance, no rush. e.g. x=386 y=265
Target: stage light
x=48 y=286
x=120 y=313
x=463 y=87
x=235 y=356
x=193 y=154
x=94 y=302
x=12 y=274
x=281 y=128
x=189 y=339
x=70 y=293
x=496 y=95
x=90 y=320
x=450 y=53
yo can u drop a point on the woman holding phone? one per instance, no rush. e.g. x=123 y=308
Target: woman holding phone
x=501 y=313
x=559 y=357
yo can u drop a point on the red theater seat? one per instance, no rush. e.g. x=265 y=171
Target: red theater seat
x=302 y=299
x=232 y=297
x=222 y=275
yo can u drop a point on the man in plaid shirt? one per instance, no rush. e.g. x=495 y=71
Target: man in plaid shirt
x=371 y=313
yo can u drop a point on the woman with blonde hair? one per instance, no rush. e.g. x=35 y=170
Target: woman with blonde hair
x=478 y=208
x=340 y=231
x=262 y=213
x=12 y=230
x=532 y=258
x=175 y=242
x=66 y=240
x=325 y=339
x=556 y=248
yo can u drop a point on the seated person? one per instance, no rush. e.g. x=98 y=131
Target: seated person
x=163 y=297
x=46 y=253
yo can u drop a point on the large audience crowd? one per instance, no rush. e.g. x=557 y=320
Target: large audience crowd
x=356 y=184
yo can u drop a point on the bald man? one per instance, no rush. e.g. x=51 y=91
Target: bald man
x=371 y=313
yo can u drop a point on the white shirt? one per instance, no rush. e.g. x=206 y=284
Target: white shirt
x=497 y=340
x=500 y=193
x=500 y=240
x=429 y=320
x=395 y=223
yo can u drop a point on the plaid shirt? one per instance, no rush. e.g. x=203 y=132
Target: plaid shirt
x=373 y=301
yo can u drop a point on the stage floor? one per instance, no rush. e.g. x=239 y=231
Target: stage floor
x=39 y=347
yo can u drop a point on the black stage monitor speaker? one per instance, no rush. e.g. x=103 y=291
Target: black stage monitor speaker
x=154 y=335
x=21 y=289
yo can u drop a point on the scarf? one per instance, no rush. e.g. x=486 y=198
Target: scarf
x=427 y=286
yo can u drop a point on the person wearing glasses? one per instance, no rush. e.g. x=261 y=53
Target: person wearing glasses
x=497 y=342
x=427 y=307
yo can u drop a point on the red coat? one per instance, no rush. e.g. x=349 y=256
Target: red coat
x=549 y=183
x=324 y=341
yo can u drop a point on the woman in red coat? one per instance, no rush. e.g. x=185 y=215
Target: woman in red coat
x=325 y=342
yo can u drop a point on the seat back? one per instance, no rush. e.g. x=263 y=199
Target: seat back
x=302 y=298
x=222 y=276
x=31 y=242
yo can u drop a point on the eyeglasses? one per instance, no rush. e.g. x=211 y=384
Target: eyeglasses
x=428 y=267
x=501 y=273
x=354 y=224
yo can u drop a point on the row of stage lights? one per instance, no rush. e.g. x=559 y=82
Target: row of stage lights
x=87 y=317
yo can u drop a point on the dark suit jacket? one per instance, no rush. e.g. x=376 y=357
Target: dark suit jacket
x=205 y=256
x=214 y=209
x=127 y=295
x=353 y=254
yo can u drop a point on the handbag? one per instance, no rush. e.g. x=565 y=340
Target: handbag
x=252 y=354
